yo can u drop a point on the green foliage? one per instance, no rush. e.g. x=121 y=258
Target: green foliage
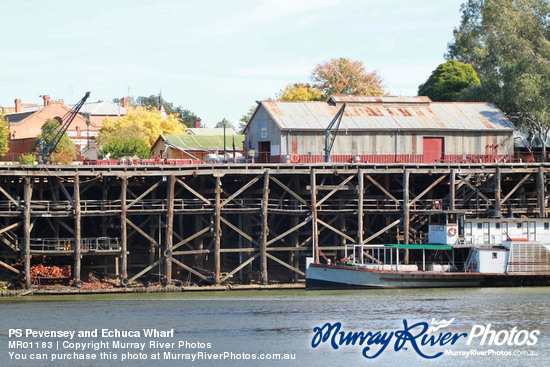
x=26 y=159
x=120 y=146
x=448 y=82
x=65 y=146
x=64 y=155
x=246 y=117
x=507 y=42
x=185 y=116
x=4 y=134
x=301 y=92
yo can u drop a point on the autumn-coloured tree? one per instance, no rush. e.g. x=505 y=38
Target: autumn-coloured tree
x=139 y=123
x=4 y=134
x=344 y=76
x=301 y=92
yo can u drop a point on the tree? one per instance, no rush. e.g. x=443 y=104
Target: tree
x=65 y=151
x=507 y=42
x=301 y=92
x=448 y=82
x=246 y=117
x=344 y=76
x=185 y=116
x=228 y=125
x=4 y=134
x=139 y=123
x=119 y=146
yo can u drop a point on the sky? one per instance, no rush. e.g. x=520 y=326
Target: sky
x=213 y=57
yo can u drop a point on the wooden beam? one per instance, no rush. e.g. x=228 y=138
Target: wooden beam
x=541 y=192
x=191 y=190
x=286 y=265
x=327 y=196
x=314 y=231
x=77 y=230
x=290 y=191
x=360 y=201
x=27 y=231
x=421 y=195
x=10 y=227
x=192 y=237
x=150 y=267
x=382 y=188
x=65 y=192
x=217 y=230
x=497 y=188
x=263 y=240
x=406 y=206
x=240 y=267
x=335 y=230
x=521 y=182
x=190 y=252
x=239 y=191
x=286 y=233
x=10 y=267
x=142 y=232
x=452 y=190
x=168 y=238
x=131 y=203
x=191 y=270
x=489 y=201
x=239 y=231
x=393 y=224
x=124 y=230
x=15 y=202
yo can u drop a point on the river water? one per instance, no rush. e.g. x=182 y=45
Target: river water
x=276 y=324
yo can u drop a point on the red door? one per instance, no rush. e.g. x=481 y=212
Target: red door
x=433 y=150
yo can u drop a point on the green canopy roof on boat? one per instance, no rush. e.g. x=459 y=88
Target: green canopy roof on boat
x=425 y=246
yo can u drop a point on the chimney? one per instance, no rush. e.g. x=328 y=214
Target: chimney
x=125 y=102
x=46 y=100
x=197 y=123
x=17 y=105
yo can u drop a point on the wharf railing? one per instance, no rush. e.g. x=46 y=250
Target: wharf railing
x=88 y=245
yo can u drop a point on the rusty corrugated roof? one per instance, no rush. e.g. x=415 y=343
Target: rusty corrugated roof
x=339 y=98
x=381 y=116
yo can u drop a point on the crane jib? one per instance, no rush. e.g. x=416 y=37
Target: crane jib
x=330 y=137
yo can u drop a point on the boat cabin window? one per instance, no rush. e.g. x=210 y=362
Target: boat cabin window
x=546 y=225
x=495 y=254
x=479 y=225
x=497 y=225
x=519 y=225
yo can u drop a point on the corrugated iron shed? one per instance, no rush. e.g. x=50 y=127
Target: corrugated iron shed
x=381 y=115
x=203 y=142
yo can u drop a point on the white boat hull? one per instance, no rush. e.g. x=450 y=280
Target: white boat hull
x=327 y=276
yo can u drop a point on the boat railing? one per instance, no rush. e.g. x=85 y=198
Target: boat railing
x=374 y=256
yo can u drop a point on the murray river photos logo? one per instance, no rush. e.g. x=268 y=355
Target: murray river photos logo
x=425 y=339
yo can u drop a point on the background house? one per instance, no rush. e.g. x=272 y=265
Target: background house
x=26 y=122
x=381 y=129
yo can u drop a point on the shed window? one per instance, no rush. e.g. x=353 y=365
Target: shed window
x=495 y=255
